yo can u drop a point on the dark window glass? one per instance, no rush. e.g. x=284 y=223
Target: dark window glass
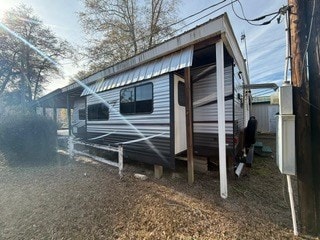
x=136 y=100
x=144 y=101
x=82 y=114
x=127 y=99
x=127 y=95
x=144 y=92
x=98 y=112
x=181 y=94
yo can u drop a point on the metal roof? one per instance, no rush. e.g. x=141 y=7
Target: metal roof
x=169 y=63
x=217 y=28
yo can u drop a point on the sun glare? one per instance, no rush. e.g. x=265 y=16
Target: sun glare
x=4 y=6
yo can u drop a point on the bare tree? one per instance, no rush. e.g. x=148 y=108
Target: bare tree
x=21 y=68
x=118 y=29
x=160 y=15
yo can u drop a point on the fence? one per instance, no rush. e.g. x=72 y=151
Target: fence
x=119 y=149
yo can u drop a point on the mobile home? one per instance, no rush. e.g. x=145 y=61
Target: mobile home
x=183 y=93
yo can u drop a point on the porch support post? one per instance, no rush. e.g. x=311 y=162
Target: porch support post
x=44 y=111
x=54 y=113
x=221 y=120
x=69 y=114
x=189 y=117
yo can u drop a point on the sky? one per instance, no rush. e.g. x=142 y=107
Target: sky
x=265 y=44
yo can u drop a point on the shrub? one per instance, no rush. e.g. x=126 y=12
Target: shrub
x=27 y=137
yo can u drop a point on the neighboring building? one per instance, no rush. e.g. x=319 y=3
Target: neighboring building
x=265 y=114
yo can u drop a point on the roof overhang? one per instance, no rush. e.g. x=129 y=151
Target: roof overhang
x=211 y=31
x=233 y=48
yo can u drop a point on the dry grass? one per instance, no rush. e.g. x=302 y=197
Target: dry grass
x=82 y=200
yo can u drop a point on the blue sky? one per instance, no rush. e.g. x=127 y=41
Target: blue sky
x=265 y=44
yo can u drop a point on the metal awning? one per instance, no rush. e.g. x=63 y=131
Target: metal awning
x=169 y=63
x=273 y=86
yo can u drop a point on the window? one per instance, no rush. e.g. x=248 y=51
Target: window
x=137 y=99
x=127 y=99
x=82 y=114
x=181 y=94
x=98 y=112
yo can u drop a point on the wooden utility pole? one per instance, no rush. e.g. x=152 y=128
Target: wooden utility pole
x=307 y=170
x=313 y=18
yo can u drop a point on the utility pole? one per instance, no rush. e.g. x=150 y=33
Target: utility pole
x=306 y=94
x=313 y=17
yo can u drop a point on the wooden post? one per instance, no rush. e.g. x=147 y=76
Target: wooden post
x=158 y=171
x=120 y=159
x=69 y=114
x=189 y=124
x=221 y=120
x=299 y=28
x=44 y=111
x=313 y=14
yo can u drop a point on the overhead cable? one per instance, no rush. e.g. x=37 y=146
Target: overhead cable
x=250 y=21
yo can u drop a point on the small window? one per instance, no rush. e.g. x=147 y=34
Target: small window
x=137 y=99
x=181 y=94
x=127 y=100
x=98 y=112
x=82 y=114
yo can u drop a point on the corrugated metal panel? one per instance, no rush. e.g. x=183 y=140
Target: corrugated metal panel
x=145 y=125
x=265 y=115
x=207 y=86
x=238 y=98
x=170 y=63
x=205 y=108
x=212 y=128
x=148 y=124
x=260 y=111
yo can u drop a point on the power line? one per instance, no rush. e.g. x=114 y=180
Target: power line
x=304 y=56
x=255 y=19
x=192 y=15
x=206 y=15
x=177 y=30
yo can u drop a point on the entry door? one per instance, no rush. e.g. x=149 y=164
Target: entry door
x=179 y=115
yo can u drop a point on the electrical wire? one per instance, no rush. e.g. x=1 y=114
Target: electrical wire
x=177 y=30
x=255 y=19
x=192 y=15
x=312 y=105
x=205 y=16
x=308 y=39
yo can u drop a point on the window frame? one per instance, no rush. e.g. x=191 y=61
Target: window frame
x=82 y=114
x=135 y=101
x=101 y=105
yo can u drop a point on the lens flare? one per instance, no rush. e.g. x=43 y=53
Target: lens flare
x=5 y=5
x=60 y=68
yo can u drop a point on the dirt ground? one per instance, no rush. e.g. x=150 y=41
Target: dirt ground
x=85 y=200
